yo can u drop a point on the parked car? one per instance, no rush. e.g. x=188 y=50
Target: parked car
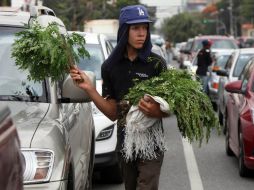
x=158 y=50
x=218 y=42
x=106 y=163
x=245 y=41
x=11 y=172
x=232 y=71
x=240 y=119
x=54 y=119
x=186 y=53
x=219 y=61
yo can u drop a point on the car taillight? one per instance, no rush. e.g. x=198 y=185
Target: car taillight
x=215 y=85
x=215 y=68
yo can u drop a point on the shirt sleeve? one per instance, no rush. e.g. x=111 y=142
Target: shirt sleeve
x=107 y=85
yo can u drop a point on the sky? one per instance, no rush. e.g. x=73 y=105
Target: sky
x=165 y=8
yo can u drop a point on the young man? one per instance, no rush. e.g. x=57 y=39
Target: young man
x=131 y=59
x=204 y=61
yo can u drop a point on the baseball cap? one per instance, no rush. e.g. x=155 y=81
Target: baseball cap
x=207 y=42
x=134 y=14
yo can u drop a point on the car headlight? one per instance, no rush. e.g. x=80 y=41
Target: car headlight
x=105 y=133
x=37 y=165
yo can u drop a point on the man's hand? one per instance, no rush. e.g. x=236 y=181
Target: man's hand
x=150 y=108
x=81 y=79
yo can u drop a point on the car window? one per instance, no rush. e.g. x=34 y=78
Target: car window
x=245 y=75
x=94 y=62
x=229 y=62
x=14 y=84
x=240 y=63
x=222 y=60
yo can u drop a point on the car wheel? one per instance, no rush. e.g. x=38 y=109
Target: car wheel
x=243 y=171
x=112 y=174
x=70 y=185
x=229 y=151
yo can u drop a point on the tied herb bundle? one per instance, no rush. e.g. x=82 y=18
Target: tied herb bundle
x=192 y=107
x=45 y=52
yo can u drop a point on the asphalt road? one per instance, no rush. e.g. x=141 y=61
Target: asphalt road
x=190 y=167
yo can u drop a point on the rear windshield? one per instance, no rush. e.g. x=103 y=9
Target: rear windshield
x=241 y=62
x=217 y=44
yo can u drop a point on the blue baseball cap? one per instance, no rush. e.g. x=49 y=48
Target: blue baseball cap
x=134 y=14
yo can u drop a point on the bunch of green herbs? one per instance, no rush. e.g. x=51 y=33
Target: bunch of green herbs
x=46 y=52
x=192 y=107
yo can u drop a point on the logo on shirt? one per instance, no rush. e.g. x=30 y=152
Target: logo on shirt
x=141 y=12
x=142 y=75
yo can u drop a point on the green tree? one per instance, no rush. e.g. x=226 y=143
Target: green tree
x=75 y=12
x=182 y=26
x=247 y=7
x=5 y=2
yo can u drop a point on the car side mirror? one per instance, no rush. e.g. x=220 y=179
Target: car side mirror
x=73 y=93
x=223 y=73
x=234 y=87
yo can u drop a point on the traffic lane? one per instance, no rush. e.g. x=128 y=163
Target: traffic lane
x=217 y=170
x=174 y=173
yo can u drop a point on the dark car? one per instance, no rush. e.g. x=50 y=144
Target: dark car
x=240 y=119
x=11 y=173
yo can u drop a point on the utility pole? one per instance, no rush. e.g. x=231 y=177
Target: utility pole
x=231 y=17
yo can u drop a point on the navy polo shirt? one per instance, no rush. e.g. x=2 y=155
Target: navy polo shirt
x=119 y=78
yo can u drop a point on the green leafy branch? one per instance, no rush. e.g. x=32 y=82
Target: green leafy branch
x=186 y=99
x=45 y=52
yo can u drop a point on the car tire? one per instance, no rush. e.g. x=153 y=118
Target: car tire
x=243 y=170
x=112 y=174
x=70 y=185
x=229 y=151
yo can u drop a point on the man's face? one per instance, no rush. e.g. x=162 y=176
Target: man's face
x=137 y=35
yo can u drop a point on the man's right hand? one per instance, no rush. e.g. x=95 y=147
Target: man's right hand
x=81 y=79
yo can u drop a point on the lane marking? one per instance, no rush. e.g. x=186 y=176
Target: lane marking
x=192 y=167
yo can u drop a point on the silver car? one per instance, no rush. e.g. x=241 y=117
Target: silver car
x=54 y=120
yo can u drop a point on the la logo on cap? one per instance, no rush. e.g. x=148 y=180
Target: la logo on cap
x=141 y=12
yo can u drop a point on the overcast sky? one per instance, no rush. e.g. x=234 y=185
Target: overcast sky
x=165 y=8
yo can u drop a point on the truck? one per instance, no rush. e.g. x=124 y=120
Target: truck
x=105 y=26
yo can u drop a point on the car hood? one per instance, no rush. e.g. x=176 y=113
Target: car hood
x=27 y=116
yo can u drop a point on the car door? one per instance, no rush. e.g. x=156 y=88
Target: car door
x=222 y=81
x=77 y=129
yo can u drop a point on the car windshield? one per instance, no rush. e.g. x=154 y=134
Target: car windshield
x=94 y=62
x=217 y=44
x=222 y=60
x=14 y=84
x=241 y=62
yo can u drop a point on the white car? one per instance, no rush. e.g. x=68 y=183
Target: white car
x=99 y=48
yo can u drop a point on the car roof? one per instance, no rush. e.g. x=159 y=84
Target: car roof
x=14 y=18
x=213 y=37
x=91 y=38
x=246 y=50
x=17 y=18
